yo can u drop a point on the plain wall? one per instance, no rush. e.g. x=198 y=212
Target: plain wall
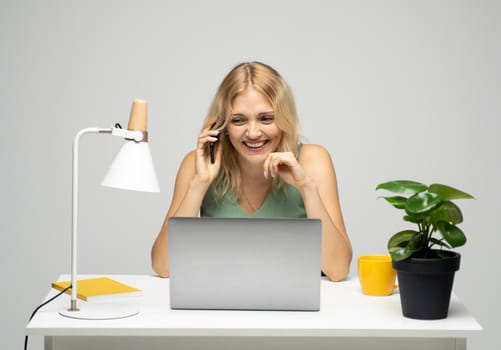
x=393 y=89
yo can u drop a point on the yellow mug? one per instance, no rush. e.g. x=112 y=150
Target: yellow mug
x=376 y=275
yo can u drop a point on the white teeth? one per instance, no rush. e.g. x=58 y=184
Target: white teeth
x=254 y=144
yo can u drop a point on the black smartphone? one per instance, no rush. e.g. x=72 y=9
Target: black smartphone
x=212 y=147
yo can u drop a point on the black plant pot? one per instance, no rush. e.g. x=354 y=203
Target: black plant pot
x=425 y=285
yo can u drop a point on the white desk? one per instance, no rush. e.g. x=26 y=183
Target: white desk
x=347 y=319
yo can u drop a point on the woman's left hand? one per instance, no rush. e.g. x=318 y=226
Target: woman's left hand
x=285 y=165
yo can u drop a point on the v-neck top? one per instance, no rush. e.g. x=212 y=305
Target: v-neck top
x=288 y=204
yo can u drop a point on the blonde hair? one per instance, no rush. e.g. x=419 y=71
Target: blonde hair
x=270 y=84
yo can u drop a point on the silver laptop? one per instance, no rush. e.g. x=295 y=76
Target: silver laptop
x=244 y=263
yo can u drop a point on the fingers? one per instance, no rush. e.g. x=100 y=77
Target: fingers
x=205 y=168
x=204 y=138
x=207 y=136
x=276 y=161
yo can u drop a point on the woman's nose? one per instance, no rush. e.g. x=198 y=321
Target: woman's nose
x=253 y=130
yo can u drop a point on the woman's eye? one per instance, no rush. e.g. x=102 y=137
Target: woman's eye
x=267 y=119
x=238 y=120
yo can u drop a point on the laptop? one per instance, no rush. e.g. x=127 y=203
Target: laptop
x=244 y=263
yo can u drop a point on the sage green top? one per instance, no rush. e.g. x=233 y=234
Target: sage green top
x=289 y=204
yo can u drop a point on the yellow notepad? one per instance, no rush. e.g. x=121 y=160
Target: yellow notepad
x=101 y=288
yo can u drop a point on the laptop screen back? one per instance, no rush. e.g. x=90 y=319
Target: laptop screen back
x=244 y=263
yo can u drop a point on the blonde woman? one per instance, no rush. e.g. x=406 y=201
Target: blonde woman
x=258 y=167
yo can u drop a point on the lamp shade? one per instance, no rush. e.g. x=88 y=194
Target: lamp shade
x=132 y=169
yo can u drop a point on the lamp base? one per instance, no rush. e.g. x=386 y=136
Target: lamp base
x=102 y=311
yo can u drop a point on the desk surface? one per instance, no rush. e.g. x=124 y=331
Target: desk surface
x=344 y=312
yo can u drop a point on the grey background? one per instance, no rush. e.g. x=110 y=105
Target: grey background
x=394 y=89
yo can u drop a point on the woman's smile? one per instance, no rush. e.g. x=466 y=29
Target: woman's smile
x=255 y=146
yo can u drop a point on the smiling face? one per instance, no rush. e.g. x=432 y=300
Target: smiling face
x=251 y=127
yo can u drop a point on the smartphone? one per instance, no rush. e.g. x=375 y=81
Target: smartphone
x=212 y=147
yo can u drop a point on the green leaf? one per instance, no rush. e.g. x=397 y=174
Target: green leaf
x=423 y=203
x=399 y=253
x=402 y=187
x=451 y=233
x=455 y=215
x=417 y=242
x=439 y=214
x=413 y=219
x=404 y=243
x=449 y=212
x=448 y=193
x=397 y=201
x=401 y=238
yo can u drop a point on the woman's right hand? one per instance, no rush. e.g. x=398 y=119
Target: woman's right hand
x=204 y=169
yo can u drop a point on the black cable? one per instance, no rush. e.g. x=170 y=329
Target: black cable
x=38 y=308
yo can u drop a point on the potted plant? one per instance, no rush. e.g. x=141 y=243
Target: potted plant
x=423 y=257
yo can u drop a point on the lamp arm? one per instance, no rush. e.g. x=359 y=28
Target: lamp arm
x=74 y=212
x=135 y=135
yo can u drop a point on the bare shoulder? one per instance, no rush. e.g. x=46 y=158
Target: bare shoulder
x=190 y=156
x=316 y=161
x=313 y=153
x=188 y=164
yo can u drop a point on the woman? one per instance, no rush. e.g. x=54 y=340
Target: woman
x=258 y=168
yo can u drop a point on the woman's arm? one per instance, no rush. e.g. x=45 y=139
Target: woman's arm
x=185 y=202
x=194 y=177
x=321 y=198
x=315 y=179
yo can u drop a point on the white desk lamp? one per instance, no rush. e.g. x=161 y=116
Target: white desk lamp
x=132 y=169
